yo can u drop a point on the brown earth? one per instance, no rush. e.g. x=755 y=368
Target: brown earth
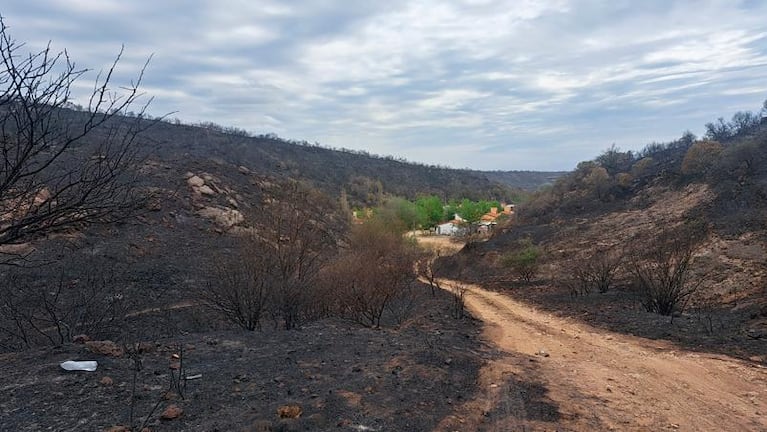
x=590 y=379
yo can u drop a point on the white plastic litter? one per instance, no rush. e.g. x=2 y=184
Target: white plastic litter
x=71 y=365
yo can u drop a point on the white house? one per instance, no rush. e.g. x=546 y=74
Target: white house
x=447 y=228
x=452 y=227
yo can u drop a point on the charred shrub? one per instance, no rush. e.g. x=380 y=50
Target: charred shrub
x=662 y=272
x=597 y=271
x=374 y=276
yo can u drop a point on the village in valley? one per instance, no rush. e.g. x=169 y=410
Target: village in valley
x=428 y=216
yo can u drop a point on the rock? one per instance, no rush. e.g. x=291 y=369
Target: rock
x=224 y=217
x=172 y=412
x=289 y=411
x=188 y=174
x=105 y=347
x=207 y=177
x=106 y=381
x=81 y=339
x=195 y=181
x=117 y=428
x=542 y=353
x=243 y=170
x=205 y=190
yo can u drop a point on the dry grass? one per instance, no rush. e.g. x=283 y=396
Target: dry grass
x=445 y=245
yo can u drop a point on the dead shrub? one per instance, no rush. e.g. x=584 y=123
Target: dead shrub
x=427 y=269
x=240 y=286
x=39 y=311
x=662 y=272
x=595 y=272
x=374 y=275
x=458 y=306
x=705 y=309
x=275 y=269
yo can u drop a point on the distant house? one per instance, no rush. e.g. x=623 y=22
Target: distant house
x=490 y=216
x=447 y=228
x=452 y=227
x=488 y=220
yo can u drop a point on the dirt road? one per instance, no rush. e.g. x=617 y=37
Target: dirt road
x=555 y=374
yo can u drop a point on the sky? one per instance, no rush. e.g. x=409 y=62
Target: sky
x=496 y=85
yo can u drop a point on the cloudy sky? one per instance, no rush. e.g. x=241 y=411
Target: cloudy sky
x=521 y=84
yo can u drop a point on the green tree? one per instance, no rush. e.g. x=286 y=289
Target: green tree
x=472 y=211
x=432 y=209
x=525 y=262
x=400 y=214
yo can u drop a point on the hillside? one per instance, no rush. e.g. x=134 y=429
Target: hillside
x=627 y=215
x=528 y=180
x=365 y=178
x=133 y=289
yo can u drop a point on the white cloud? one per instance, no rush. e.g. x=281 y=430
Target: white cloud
x=512 y=80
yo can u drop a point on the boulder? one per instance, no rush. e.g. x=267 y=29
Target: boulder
x=195 y=181
x=205 y=190
x=105 y=347
x=172 y=412
x=289 y=411
x=222 y=216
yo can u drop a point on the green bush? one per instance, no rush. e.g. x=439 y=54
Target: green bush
x=524 y=263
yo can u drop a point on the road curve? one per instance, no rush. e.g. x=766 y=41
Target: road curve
x=553 y=373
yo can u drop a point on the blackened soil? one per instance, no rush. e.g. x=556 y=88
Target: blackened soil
x=341 y=375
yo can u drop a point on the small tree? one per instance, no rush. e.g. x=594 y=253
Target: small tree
x=276 y=268
x=427 y=269
x=62 y=168
x=701 y=157
x=432 y=208
x=35 y=310
x=525 y=262
x=598 y=271
x=600 y=182
x=458 y=307
x=662 y=272
x=374 y=273
x=240 y=285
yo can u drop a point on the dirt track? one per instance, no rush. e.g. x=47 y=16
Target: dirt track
x=556 y=374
